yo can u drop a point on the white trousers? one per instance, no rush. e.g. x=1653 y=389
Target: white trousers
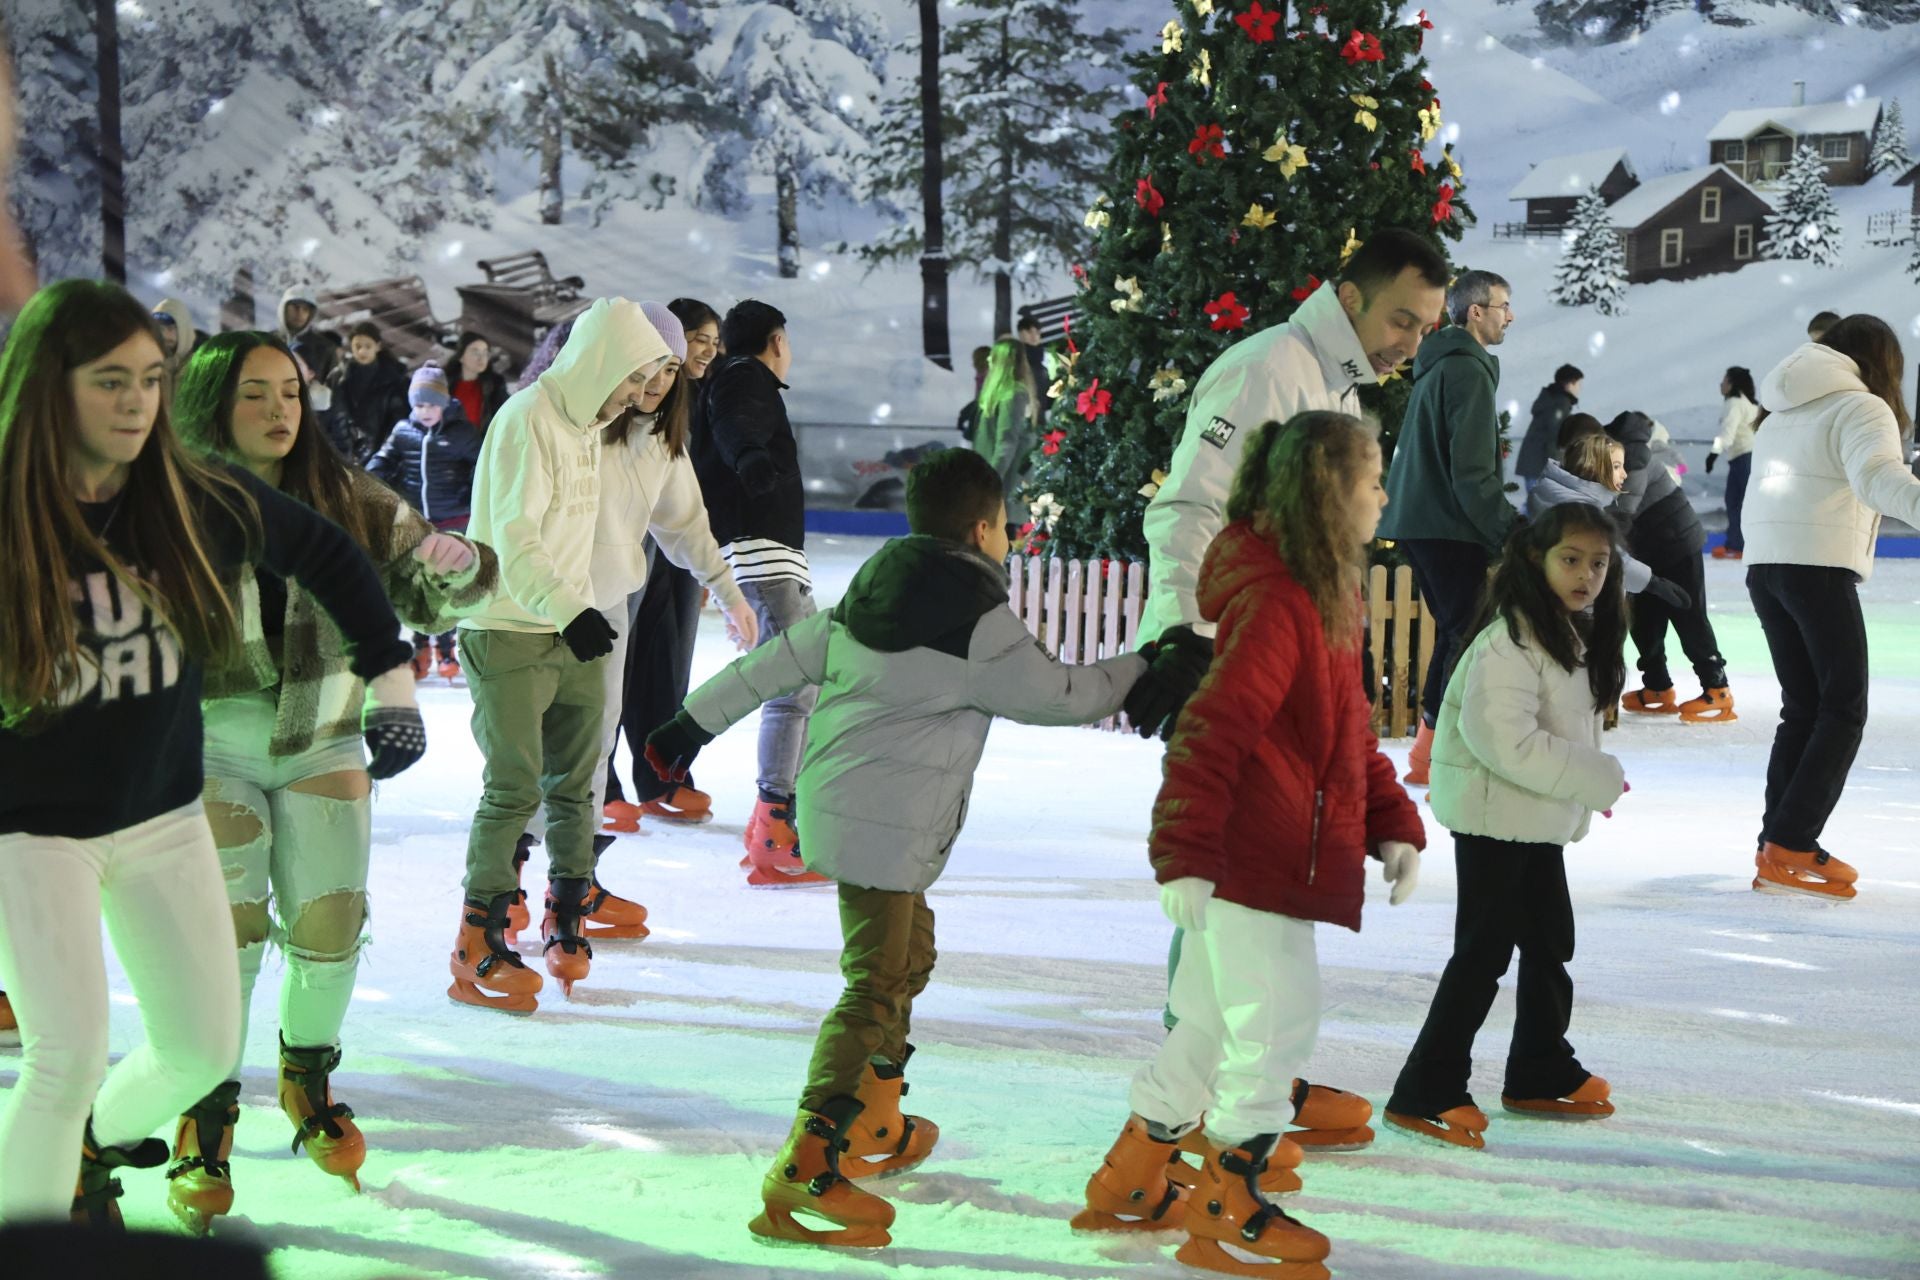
x=1247 y=996
x=158 y=888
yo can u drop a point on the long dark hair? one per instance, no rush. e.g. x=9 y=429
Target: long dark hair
x=669 y=418
x=1870 y=343
x=162 y=553
x=313 y=471
x=692 y=313
x=1741 y=380
x=1518 y=592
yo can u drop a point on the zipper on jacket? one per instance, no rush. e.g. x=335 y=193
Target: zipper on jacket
x=1313 y=846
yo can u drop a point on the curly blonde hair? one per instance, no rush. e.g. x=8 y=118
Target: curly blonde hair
x=1294 y=486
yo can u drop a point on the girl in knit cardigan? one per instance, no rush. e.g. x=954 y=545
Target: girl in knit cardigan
x=288 y=791
x=1518 y=773
x=1275 y=795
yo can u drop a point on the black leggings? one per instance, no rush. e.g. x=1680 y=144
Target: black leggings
x=659 y=667
x=1687 y=571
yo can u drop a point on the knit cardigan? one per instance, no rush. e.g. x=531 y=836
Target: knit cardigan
x=319 y=697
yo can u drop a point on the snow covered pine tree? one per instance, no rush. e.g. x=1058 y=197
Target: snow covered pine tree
x=1890 y=152
x=1593 y=263
x=1805 y=222
x=1259 y=156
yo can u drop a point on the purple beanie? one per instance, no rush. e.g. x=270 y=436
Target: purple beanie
x=429 y=386
x=669 y=326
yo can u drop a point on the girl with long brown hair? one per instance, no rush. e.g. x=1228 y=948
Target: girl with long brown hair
x=289 y=792
x=115 y=545
x=1831 y=464
x=1275 y=795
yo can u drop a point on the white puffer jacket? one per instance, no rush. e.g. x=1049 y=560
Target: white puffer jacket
x=1827 y=464
x=1516 y=752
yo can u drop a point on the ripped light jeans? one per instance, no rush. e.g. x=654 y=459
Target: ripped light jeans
x=295 y=863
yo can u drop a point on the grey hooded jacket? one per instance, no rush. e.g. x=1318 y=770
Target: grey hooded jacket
x=1558 y=485
x=913 y=665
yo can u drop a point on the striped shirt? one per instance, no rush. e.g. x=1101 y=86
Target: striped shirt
x=763 y=559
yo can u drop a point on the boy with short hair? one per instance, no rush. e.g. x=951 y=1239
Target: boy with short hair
x=913 y=665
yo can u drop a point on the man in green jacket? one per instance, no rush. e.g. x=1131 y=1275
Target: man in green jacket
x=1448 y=507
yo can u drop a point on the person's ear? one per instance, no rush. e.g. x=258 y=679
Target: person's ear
x=1351 y=299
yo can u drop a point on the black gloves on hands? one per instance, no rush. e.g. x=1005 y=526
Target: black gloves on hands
x=1668 y=594
x=1711 y=459
x=396 y=738
x=589 y=636
x=672 y=747
x=1176 y=664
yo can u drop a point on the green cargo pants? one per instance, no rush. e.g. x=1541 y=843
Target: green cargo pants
x=887 y=957
x=536 y=717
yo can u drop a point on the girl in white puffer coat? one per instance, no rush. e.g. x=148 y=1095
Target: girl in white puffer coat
x=1827 y=466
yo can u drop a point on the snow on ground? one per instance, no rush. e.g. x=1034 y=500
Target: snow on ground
x=1761 y=1049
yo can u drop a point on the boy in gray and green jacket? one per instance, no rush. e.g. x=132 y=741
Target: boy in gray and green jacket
x=913 y=665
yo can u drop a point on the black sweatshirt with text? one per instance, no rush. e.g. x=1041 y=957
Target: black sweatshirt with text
x=125 y=747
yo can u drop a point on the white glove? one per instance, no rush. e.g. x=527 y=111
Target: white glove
x=1399 y=867
x=1185 y=902
x=743 y=626
x=444 y=554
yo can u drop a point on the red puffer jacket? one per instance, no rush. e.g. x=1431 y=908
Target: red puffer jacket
x=1275 y=788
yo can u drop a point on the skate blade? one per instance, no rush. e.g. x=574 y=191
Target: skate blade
x=782 y=1230
x=1556 y=1109
x=1174 y=1219
x=758 y=879
x=616 y=932
x=1708 y=717
x=1443 y=1135
x=680 y=819
x=1824 y=890
x=622 y=826
x=198 y=1222
x=1332 y=1141
x=469 y=996
x=1211 y=1255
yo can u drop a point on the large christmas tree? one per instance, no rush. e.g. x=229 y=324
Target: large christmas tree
x=1264 y=146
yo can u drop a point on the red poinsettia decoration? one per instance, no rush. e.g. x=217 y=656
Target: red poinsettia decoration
x=1066 y=331
x=1093 y=403
x=1156 y=100
x=1427 y=86
x=1050 y=443
x=1425 y=26
x=1443 y=207
x=1080 y=272
x=1147 y=198
x=1208 y=140
x=1259 y=23
x=1305 y=291
x=1419 y=161
x=1227 y=312
x=1363 y=46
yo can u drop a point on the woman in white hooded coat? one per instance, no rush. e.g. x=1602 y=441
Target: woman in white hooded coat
x=1828 y=465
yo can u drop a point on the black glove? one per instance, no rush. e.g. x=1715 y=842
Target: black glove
x=1711 y=459
x=1669 y=595
x=589 y=636
x=672 y=747
x=396 y=739
x=1176 y=663
x=758 y=472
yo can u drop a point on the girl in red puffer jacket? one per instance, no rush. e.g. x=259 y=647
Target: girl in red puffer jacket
x=1275 y=793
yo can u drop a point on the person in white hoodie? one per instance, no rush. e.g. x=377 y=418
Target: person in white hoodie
x=534 y=656
x=1827 y=465
x=1739 y=415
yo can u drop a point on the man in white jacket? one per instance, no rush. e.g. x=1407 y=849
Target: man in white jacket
x=1347 y=334
x=534 y=655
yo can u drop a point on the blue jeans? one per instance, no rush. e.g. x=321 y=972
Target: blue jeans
x=781 y=603
x=1738 y=472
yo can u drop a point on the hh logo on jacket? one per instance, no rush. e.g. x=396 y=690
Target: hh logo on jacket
x=125 y=651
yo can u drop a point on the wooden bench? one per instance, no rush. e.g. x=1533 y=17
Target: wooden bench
x=519 y=302
x=400 y=307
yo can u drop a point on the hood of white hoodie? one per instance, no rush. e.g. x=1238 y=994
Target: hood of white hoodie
x=182 y=323
x=610 y=340
x=1810 y=372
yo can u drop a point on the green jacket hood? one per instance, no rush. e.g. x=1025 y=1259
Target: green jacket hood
x=921 y=591
x=1453 y=340
x=609 y=341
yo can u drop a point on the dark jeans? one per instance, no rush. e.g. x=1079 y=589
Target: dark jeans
x=1818 y=638
x=1738 y=472
x=659 y=665
x=441 y=644
x=886 y=957
x=1511 y=895
x=1451 y=577
x=1686 y=570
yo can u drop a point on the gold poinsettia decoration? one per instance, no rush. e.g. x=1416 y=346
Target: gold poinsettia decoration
x=1367 y=106
x=1290 y=157
x=1131 y=298
x=1351 y=247
x=1167 y=384
x=1258 y=218
x=1151 y=487
x=1171 y=37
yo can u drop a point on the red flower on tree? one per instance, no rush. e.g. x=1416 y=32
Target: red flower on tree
x=1157 y=99
x=1427 y=86
x=1093 y=403
x=1147 y=198
x=1419 y=161
x=1050 y=443
x=1425 y=26
x=1443 y=207
x=1259 y=23
x=1305 y=291
x=1363 y=46
x=1207 y=141
x=1227 y=312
